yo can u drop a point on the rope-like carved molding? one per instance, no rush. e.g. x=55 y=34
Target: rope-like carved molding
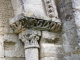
x=22 y=22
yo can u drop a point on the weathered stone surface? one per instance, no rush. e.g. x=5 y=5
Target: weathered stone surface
x=18 y=10
x=5 y=14
x=37 y=11
x=17 y=7
x=51 y=50
x=51 y=58
x=50 y=37
x=77 y=22
x=1 y=46
x=52 y=45
x=32 y=54
x=7 y=58
x=16 y=4
x=76 y=13
x=69 y=35
x=2 y=58
x=76 y=4
x=13 y=46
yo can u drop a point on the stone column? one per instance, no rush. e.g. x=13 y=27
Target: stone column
x=30 y=38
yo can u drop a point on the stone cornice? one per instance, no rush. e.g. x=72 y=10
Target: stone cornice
x=21 y=22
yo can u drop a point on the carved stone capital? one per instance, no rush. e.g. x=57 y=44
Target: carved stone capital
x=30 y=38
x=22 y=22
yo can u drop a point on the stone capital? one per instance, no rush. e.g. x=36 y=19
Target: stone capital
x=30 y=38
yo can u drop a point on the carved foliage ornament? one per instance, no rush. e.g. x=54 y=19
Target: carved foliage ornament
x=30 y=38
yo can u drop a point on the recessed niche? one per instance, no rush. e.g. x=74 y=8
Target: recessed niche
x=9 y=45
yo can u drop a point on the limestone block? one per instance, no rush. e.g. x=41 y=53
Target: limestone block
x=69 y=25
x=75 y=57
x=16 y=3
x=2 y=58
x=77 y=21
x=68 y=58
x=50 y=37
x=51 y=58
x=76 y=13
x=5 y=14
x=1 y=23
x=77 y=18
x=7 y=58
x=32 y=54
x=51 y=50
x=17 y=7
x=69 y=30
x=39 y=2
x=79 y=56
x=51 y=47
x=1 y=46
x=69 y=40
x=69 y=36
x=5 y=29
x=18 y=10
x=2 y=13
x=13 y=46
x=35 y=10
x=40 y=8
x=1 y=30
x=76 y=4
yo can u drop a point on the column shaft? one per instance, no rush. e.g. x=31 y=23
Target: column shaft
x=31 y=54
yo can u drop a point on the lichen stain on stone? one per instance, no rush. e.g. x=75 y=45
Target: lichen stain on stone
x=9 y=45
x=68 y=17
x=75 y=52
x=56 y=40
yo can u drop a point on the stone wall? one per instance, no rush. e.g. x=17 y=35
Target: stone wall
x=64 y=45
x=69 y=33
x=11 y=48
x=76 y=14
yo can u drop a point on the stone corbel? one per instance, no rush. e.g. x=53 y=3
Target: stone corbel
x=21 y=22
